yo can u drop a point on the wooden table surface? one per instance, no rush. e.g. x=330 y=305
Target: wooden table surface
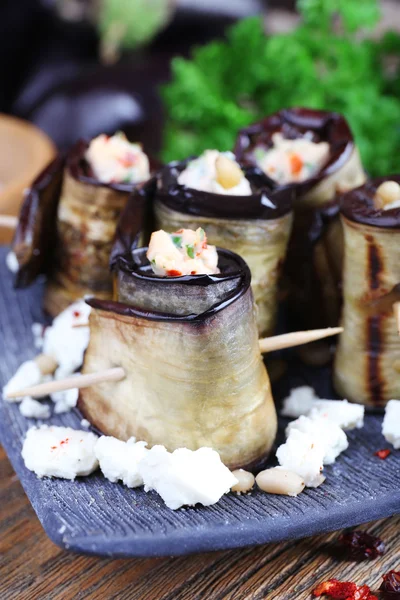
x=32 y=567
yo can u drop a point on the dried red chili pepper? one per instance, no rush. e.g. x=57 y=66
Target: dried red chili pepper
x=362 y=593
x=383 y=453
x=339 y=590
x=361 y=545
x=391 y=585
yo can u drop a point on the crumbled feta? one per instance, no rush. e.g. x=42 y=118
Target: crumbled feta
x=115 y=159
x=205 y=174
x=303 y=455
x=186 y=477
x=59 y=452
x=345 y=414
x=292 y=160
x=65 y=400
x=12 y=262
x=325 y=433
x=119 y=460
x=32 y=409
x=27 y=374
x=184 y=252
x=85 y=423
x=391 y=423
x=299 y=402
x=38 y=332
x=65 y=342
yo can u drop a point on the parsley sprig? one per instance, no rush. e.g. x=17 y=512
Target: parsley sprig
x=329 y=62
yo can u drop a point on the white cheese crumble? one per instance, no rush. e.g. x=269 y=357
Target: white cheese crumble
x=59 y=452
x=184 y=252
x=32 y=409
x=391 y=423
x=345 y=414
x=12 y=262
x=115 y=159
x=65 y=400
x=325 y=433
x=186 y=477
x=211 y=172
x=27 y=374
x=119 y=460
x=303 y=455
x=294 y=160
x=85 y=423
x=65 y=342
x=299 y=402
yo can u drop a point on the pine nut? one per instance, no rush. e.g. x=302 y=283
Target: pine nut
x=387 y=193
x=229 y=174
x=280 y=481
x=245 y=481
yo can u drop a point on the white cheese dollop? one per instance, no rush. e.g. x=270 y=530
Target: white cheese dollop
x=201 y=174
x=325 y=433
x=345 y=414
x=27 y=374
x=66 y=343
x=115 y=159
x=184 y=252
x=12 y=262
x=59 y=452
x=119 y=460
x=186 y=477
x=294 y=160
x=299 y=402
x=65 y=400
x=303 y=455
x=391 y=423
x=32 y=409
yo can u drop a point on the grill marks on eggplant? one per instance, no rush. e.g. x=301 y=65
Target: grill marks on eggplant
x=375 y=269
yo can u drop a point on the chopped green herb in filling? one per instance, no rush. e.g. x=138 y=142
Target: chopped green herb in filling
x=190 y=251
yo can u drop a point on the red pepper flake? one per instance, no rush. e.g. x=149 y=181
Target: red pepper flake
x=76 y=314
x=173 y=273
x=193 y=272
x=383 y=453
x=64 y=441
x=339 y=590
x=390 y=585
x=361 y=545
x=53 y=447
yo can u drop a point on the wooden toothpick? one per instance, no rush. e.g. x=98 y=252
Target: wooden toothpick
x=76 y=381
x=297 y=338
x=396 y=309
x=8 y=221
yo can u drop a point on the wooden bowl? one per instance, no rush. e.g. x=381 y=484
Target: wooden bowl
x=24 y=151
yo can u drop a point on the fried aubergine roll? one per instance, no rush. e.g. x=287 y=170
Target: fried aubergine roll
x=367 y=363
x=189 y=347
x=239 y=211
x=312 y=151
x=67 y=229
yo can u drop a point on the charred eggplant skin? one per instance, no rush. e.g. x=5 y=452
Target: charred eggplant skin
x=257 y=227
x=192 y=379
x=314 y=261
x=35 y=236
x=367 y=362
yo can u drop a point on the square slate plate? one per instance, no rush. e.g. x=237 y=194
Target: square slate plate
x=92 y=515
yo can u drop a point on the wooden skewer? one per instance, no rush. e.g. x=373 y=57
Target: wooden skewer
x=76 y=325
x=8 y=221
x=297 y=338
x=396 y=309
x=77 y=381
x=277 y=342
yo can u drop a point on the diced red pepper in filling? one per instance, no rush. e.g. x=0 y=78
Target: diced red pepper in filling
x=339 y=590
x=383 y=453
x=173 y=273
x=296 y=164
x=76 y=313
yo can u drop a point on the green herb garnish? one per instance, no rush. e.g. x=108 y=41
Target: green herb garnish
x=325 y=63
x=177 y=240
x=190 y=250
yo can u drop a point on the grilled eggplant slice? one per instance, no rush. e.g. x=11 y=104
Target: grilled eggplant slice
x=367 y=364
x=257 y=227
x=314 y=262
x=194 y=373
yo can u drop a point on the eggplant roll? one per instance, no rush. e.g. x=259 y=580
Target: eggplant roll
x=257 y=227
x=67 y=227
x=192 y=379
x=314 y=262
x=367 y=363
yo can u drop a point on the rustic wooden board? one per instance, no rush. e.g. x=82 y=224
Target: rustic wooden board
x=94 y=516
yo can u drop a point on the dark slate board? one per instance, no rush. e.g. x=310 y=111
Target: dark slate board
x=91 y=515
